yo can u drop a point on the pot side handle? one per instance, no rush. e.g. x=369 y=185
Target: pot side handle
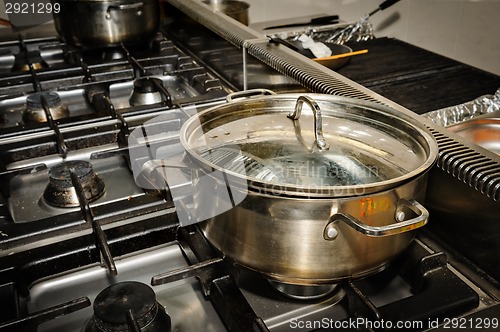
x=399 y=227
x=137 y=6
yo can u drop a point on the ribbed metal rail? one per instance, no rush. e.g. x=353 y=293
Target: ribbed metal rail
x=468 y=165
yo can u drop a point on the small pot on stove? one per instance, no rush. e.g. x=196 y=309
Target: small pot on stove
x=35 y=109
x=91 y=23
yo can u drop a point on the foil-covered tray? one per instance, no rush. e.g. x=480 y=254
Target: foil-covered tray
x=477 y=120
x=483 y=131
x=467 y=111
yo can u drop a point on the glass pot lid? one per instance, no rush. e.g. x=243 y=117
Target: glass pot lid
x=310 y=144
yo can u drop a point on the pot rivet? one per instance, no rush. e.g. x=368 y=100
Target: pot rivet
x=400 y=216
x=331 y=232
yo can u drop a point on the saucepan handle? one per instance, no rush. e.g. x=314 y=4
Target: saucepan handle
x=318 y=120
x=248 y=93
x=401 y=225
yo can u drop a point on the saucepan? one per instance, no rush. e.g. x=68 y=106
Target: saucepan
x=333 y=187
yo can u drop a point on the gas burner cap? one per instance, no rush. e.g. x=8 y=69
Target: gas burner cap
x=304 y=292
x=132 y=299
x=34 y=109
x=113 y=54
x=34 y=57
x=60 y=191
x=146 y=91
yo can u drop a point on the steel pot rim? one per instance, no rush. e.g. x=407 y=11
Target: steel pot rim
x=283 y=189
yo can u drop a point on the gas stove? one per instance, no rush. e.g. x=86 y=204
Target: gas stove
x=89 y=243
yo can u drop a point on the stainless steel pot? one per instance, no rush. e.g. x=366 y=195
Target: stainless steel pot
x=106 y=22
x=328 y=196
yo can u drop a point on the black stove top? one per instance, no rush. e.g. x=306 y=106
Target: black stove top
x=417 y=79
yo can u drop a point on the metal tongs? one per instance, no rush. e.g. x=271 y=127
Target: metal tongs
x=362 y=30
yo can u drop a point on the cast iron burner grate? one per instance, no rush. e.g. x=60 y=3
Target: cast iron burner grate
x=436 y=291
x=47 y=261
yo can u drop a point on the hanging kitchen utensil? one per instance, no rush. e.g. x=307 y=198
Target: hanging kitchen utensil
x=361 y=30
x=330 y=19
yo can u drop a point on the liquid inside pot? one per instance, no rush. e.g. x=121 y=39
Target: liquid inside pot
x=290 y=165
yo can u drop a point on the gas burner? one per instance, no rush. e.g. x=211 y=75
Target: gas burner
x=34 y=108
x=128 y=306
x=60 y=191
x=147 y=92
x=304 y=292
x=23 y=59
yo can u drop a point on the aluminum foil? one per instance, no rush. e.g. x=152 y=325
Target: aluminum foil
x=362 y=30
x=335 y=33
x=455 y=114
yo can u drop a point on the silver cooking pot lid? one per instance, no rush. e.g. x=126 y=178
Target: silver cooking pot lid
x=310 y=144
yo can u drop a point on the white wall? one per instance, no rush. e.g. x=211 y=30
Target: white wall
x=466 y=30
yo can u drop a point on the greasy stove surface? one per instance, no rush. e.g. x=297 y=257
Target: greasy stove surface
x=55 y=260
